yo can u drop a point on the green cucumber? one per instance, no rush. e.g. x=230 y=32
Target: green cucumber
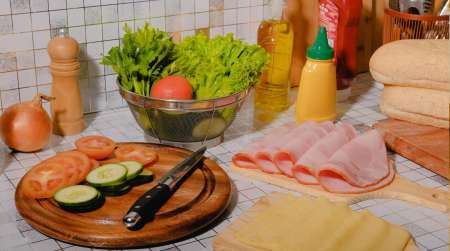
x=119 y=192
x=107 y=175
x=100 y=200
x=115 y=187
x=77 y=195
x=145 y=176
x=209 y=128
x=134 y=168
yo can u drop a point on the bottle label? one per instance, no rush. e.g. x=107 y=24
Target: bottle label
x=329 y=16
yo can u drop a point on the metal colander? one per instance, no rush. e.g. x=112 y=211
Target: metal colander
x=184 y=120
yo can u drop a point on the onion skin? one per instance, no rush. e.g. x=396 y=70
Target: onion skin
x=26 y=127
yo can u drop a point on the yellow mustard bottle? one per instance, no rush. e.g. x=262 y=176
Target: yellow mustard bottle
x=316 y=99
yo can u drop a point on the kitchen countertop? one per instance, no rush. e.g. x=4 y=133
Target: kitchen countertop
x=429 y=227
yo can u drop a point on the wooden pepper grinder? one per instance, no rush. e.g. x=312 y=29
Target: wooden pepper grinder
x=67 y=108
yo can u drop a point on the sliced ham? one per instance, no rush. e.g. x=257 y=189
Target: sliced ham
x=306 y=167
x=288 y=154
x=359 y=166
x=246 y=157
x=335 y=183
x=264 y=156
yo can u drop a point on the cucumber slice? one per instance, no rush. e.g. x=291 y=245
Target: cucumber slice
x=115 y=187
x=134 y=168
x=78 y=195
x=107 y=175
x=209 y=127
x=100 y=200
x=145 y=176
x=122 y=191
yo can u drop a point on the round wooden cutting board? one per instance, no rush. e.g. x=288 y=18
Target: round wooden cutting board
x=199 y=200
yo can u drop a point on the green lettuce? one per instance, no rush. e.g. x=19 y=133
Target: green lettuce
x=217 y=67
x=141 y=58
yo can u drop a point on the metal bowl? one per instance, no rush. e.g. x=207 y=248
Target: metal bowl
x=184 y=120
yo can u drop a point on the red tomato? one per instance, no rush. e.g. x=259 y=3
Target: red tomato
x=96 y=147
x=110 y=161
x=80 y=160
x=172 y=87
x=76 y=164
x=43 y=180
x=139 y=153
x=71 y=169
x=94 y=163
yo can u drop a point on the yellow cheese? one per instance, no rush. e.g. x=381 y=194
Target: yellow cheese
x=306 y=224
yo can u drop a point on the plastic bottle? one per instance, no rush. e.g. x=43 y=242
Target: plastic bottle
x=276 y=37
x=341 y=19
x=303 y=15
x=67 y=110
x=316 y=99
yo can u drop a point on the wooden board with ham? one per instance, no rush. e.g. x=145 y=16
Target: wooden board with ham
x=331 y=160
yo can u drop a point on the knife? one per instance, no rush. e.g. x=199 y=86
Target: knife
x=145 y=208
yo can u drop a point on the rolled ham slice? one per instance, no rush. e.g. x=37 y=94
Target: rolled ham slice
x=264 y=157
x=359 y=166
x=305 y=169
x=246 y=157
x=288 y=154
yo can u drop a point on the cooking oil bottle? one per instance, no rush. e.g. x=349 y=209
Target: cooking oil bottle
x=276 y=37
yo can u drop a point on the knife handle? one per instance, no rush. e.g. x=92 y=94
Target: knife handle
x=145 y=208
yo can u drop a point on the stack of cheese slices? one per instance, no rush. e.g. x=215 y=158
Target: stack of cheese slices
x=415 y=74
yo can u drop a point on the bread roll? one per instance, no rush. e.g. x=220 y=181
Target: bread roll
x=415 y=63
x=417 y=105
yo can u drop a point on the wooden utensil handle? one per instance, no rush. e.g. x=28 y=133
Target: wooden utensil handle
x=409 y=191
x=400 y=188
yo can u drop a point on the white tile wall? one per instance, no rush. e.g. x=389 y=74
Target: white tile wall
x=5 y=8
x=21 y=22
x=26 y=27
x=40 y=20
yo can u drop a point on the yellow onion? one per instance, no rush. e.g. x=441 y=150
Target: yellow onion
x=26 y=127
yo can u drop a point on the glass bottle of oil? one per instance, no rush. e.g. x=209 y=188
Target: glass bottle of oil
x=272 y=92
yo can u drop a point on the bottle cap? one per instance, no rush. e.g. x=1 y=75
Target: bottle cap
x=277 y=8
x=321 y=50
x=59 y=32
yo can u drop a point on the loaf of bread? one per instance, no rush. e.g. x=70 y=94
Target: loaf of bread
x=415 y=63
x=417 y=105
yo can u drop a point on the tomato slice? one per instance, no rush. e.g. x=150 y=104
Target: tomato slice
x=94 y=163
x=77 y=165
x=110 y=161
x=43 y=180
x=95 y=146
x=80 y=160
x=72 y=171
x=139 y=153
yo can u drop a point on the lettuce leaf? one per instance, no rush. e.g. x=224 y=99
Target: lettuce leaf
x=141 y=58
x=217 y=67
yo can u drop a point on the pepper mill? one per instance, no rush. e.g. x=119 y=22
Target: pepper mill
x=66 y=109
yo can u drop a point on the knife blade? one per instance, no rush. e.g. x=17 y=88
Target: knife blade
x=145 y=208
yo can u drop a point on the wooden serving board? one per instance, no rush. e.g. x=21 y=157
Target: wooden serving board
x=226 y=241
x=199 y=200
x=400 y=188
x=426 y=145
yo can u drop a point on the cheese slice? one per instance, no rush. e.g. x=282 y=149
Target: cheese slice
x=307 y=224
